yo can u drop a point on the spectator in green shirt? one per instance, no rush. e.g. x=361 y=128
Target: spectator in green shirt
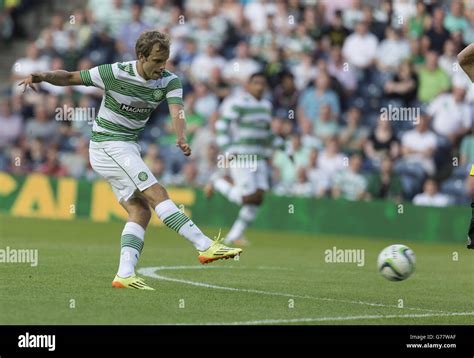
x=350 y=183
x=417 y=56
x=433 y=80
x=385 y=184
x=455 y=20
x=418 y=23
x=352 y=137
x=326 y=125
x=288 y=167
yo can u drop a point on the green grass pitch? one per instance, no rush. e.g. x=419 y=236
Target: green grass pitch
x=281 y=279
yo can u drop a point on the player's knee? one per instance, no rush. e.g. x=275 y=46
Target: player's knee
x=145 y=212
x=141 y=213
x=259 y=198
x=248 y=199
x=254 y=198
x=155 y=194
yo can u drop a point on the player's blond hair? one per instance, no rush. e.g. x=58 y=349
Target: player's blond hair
x=148 y=39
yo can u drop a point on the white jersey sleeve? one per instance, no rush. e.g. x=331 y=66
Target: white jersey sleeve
x=93 y=76
x=174 y=91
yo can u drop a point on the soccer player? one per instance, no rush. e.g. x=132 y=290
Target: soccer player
x=132 y=90
x=244 y=137
x=466 y=61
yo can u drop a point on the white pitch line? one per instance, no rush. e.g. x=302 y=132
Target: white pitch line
x=335 y=319
x=194 y=267
x=151 y=272
x=201 y=267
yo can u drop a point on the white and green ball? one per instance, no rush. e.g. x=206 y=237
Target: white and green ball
x=396 y=262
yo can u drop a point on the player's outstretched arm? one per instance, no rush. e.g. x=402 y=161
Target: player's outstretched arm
x=57 y=78
x=466 y=61
x=179 y=124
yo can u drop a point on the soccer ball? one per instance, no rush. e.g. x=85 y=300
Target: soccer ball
x=396 y=262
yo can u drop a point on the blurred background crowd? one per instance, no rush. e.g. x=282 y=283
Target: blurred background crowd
x=368 y=94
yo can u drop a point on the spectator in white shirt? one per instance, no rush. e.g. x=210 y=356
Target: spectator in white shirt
x=337 y=67
x=331 y=160
x=461 y=79
x=26 y=65
x=419 y=144
x=318 y=177
x=256 y=13
x=11 y=125
x=118 y=15
x=448 y=60
x=100 y=8
x=60 y=36
x=204 y=33
x=431 y=196
x=360 y=48
x=392 y=51
x=206 y=102
x=203 y=64
x=239 y=69
x=304 y=71
x=452 y=115
x=158 y=13
x=404 y=10
x=302 y=187
x=353 y=14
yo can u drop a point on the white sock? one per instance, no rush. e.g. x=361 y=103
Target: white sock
x=230 y=191
x=133 y=236
x=172 y=217
x=246 y=216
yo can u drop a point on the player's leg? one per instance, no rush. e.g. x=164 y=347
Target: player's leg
x=132 y=240
x=157 y=197
x=133 y=234
x=172 y=217
x=226 y=187
x=112 y=161
x=247 y=214
x=235 y=188
x=252 y=185
x=128 y=172
x=234 y=192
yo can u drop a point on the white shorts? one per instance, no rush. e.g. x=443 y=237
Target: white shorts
x=249 y=180
x=122 y=166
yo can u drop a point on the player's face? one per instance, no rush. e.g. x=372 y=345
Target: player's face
x=155 y=63
x=257 y=86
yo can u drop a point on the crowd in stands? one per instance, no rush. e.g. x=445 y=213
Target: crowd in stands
x=368 y=94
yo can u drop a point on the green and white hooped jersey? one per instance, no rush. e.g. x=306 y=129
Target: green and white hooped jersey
x=244 y=126
x=128 y=99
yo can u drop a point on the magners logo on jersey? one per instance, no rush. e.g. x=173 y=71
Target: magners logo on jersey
x=128 y=108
